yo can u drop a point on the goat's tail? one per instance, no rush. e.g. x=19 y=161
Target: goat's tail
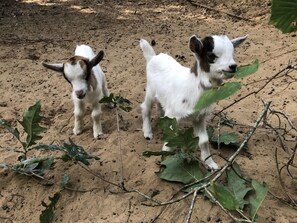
x=147 y=49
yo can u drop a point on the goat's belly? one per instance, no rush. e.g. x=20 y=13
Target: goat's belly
x=178 y=109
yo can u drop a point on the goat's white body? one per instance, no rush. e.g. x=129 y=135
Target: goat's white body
x=173 y=86
x=93 y=95
x=177 y=90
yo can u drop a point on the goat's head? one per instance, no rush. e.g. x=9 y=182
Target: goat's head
x=77 y=71
x=215 y=55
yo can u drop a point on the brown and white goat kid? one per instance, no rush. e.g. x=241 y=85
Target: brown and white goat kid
x=88 y=82
x=177 y=89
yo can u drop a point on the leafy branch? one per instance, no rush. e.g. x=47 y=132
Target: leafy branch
x=230 y=199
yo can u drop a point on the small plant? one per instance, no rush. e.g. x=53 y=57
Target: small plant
x=37 y=166
x=117 y=102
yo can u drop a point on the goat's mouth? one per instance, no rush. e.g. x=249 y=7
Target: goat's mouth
x=81 y=96
x=228 y=74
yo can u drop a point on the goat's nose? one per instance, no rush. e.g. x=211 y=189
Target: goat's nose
x=233 y=67
x=80 y=94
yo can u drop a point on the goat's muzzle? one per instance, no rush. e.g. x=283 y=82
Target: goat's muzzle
x=80 y=94
x=233 y=68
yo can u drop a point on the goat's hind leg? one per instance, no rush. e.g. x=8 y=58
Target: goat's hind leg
x=146 y=107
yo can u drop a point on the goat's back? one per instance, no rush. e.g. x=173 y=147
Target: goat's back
x=84 y=51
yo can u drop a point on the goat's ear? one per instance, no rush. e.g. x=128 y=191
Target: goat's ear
x=59 y=67
x=238 y=40
x=97 y=58
x=195 y=45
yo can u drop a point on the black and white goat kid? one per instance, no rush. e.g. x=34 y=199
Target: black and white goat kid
x=88 y=82
x=177 y=89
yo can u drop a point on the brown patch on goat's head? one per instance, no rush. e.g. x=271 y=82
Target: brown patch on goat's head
x=207 y=56
x=92 y=83
x=203 y=51
x=84 y=63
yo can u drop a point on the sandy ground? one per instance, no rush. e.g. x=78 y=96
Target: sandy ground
x=33 y=31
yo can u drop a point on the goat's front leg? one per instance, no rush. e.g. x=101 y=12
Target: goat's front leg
x=200 y=131
x=167 y=148
x=79 y=112
x=96 y=116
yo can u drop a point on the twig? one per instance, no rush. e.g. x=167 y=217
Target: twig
x=68 y=120
x=144 y=195
x=219 y=11
x=159 y=214
x=120 y=148
x=129 y=210
x=287 y=52
x=272 y=111
x=99 y=176
x=192 y=206
x=280 y=178
x=255 y=92
x=282 y=200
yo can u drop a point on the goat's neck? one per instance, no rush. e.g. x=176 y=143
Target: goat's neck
x=203 y=77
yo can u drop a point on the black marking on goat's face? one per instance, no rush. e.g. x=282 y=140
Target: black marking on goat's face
x=207 y=57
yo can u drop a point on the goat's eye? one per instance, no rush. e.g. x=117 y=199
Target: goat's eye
x=211 y=57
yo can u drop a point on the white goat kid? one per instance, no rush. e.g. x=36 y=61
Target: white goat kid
x=177 y=89
x=88 y=85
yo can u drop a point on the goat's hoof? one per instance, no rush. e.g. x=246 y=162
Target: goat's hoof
x=148 y=136
x=100 y=136
x=77 y=131
x=212 y=166
x=167 y=149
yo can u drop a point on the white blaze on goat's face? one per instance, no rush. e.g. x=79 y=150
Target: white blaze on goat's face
x=223 y=51
x=76 y=73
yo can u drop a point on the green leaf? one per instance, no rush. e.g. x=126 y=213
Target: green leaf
x=157 y=153
x=247 y=70
x=77 y=153
x=284 y=15
x=243 y=71
x=175 y=137
x=48 y=147
x=216 y=94
x=37 y=165
x=227 y=121
x=64 y=181
x=226 y=138
x=30 y=123
x=178 y=169
x=237 y=185
x=14 y=131
x=224 y=196
x=47 y=215
x=107 y=99
x=118 y=101
x=258 y=198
